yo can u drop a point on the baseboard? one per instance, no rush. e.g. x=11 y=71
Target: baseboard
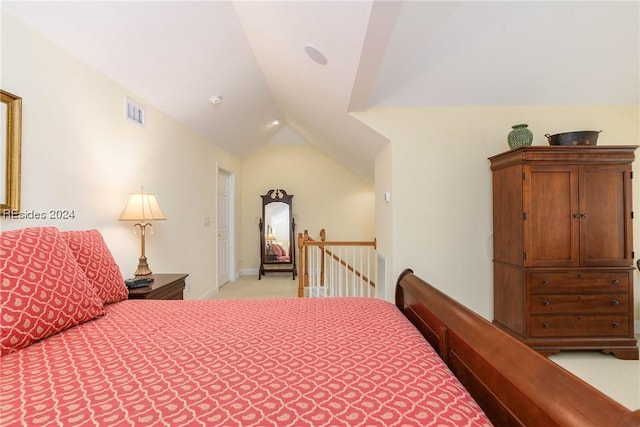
x=208 y=295
x=249 y=272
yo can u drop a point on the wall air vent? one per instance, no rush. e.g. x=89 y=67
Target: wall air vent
x=134 y=112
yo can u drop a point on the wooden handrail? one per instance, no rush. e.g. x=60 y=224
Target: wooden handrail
x=341 y=243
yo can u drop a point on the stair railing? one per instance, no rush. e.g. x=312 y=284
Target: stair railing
x=335 y=268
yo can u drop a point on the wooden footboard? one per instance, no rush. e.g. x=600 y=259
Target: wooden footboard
x=513 y=384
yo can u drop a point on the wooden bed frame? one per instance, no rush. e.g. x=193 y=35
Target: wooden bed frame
x=514 y=385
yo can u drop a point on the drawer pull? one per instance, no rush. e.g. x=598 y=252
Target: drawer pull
x=577 y=215
x=545 y=283
x=546 y=325
x=615 y=281
x=546 y=303
x=615 y=324
x=615 y=302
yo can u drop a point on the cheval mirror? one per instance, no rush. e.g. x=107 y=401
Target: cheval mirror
x=277 y=231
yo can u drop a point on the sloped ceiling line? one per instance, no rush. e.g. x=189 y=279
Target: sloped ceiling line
x=176 y=55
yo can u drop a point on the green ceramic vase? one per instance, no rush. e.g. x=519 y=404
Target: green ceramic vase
x=520 y=136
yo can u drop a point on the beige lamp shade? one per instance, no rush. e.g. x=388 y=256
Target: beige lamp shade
x=141 y=207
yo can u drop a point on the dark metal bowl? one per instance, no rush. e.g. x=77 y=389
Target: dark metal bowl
x=583 y=137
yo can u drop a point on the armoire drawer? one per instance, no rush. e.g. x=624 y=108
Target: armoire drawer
x=580 y=281
x=544 y=326
x=580 y=303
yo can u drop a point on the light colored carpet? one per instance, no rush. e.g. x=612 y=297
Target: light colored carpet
x=272 y=285
x=617 y=378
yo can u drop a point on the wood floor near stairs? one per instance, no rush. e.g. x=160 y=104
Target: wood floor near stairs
x=617 y=378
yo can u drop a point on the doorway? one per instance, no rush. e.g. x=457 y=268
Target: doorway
x=225 y=226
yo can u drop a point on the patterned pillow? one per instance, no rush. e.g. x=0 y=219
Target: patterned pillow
x=95 y=259
x=42 y=288
x=277 y=249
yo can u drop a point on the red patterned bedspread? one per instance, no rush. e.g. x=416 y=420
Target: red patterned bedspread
x=295 y=362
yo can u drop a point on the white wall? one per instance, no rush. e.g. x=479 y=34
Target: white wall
x=384 y=219
x=79 y=153
x=441 y=198
x=325 y=195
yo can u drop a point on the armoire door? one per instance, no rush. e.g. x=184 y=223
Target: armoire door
x=577 y=216
x=605 y=215
x=550 y=202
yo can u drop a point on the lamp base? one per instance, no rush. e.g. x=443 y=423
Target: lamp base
x=143 y=268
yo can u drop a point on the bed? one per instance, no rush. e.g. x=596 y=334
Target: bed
x=75 y=351
x=515 y=385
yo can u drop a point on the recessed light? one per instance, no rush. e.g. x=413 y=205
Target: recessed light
x=275 y=122
x=216 y=99
x=315 y=54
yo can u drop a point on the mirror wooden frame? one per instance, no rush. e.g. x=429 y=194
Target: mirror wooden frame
x=11 y=147
x=272 y=264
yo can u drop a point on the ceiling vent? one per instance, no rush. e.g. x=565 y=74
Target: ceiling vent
x=315 y=54
x=134 y=112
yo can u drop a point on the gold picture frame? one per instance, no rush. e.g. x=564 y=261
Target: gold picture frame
x=10 y=148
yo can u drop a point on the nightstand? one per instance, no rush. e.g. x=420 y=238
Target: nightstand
x=164 y=286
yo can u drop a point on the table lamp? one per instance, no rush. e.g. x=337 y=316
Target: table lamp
x=142 y=207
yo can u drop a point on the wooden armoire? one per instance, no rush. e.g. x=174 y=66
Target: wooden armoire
x=563 y=247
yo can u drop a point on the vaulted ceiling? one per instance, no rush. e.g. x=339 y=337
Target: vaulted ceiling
x=177 y=55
